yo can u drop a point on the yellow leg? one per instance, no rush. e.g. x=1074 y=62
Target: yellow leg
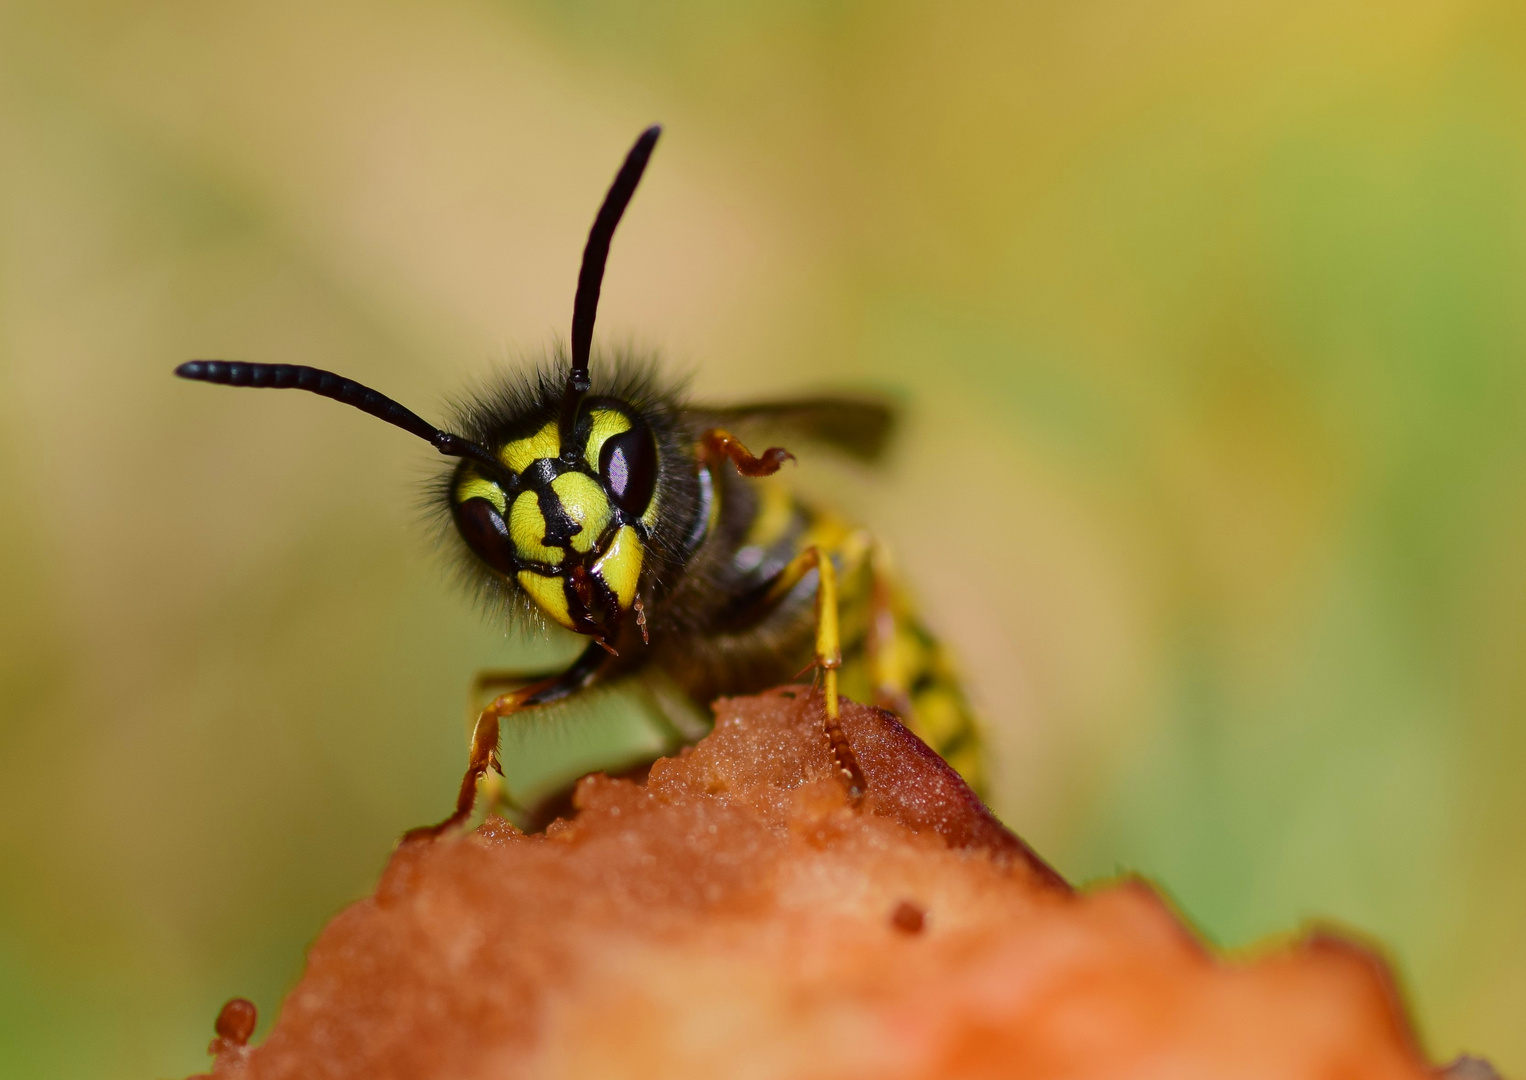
x=828 y=639
x=828 y=653
x=829 y=659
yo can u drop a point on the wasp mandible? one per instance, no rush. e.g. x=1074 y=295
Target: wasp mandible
x=597 y=497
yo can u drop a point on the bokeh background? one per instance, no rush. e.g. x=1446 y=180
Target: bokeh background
x=1212 y=324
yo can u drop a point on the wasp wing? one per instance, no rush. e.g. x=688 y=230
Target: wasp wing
x=859 y=425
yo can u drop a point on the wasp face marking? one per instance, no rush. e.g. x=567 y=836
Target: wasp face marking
x=528 y=531
x=585 y=503
x=519 y=454
x=569 y=528
x=620 y=566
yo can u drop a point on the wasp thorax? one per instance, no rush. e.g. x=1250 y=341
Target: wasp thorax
x=568 y=527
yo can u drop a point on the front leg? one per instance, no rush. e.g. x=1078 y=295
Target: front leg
x=828 y=653
x=491 y=683
x=585 y=671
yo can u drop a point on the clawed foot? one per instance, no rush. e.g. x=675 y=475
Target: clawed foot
x=466 y=802
x=842 y=752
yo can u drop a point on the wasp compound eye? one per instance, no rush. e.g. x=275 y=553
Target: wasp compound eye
x=483 y=529
x=628 y=467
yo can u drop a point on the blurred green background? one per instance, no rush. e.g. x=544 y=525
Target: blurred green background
x=1212 y=319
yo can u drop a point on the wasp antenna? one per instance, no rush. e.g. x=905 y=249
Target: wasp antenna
x=586 y=304
x=329 y=385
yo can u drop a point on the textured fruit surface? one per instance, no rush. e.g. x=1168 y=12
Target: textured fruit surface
x=735 y=916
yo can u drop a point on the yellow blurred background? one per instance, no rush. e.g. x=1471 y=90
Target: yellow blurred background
x=1212 y=324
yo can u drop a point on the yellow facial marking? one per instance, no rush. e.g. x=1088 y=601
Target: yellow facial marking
x=549 y=596
x=620 y=566
x=527 y=528
x=474 y=487
x=545 y=443
x=606 y=422
x=585 y=502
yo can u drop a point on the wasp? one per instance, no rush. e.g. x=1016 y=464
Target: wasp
x=598 y=498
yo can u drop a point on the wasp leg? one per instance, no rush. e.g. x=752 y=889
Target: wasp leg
x=719 y=443
x=828 y=653
x=829 y=657
x=484 y=753
x=490 y=684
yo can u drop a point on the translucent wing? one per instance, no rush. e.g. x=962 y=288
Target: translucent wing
x=859 y=425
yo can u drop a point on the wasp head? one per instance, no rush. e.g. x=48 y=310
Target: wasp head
x=565 y=511
x=568 y=524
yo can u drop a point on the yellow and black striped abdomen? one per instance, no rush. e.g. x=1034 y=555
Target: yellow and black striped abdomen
x=892 y=660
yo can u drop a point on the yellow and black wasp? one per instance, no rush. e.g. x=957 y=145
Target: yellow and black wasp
x=598 y=498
